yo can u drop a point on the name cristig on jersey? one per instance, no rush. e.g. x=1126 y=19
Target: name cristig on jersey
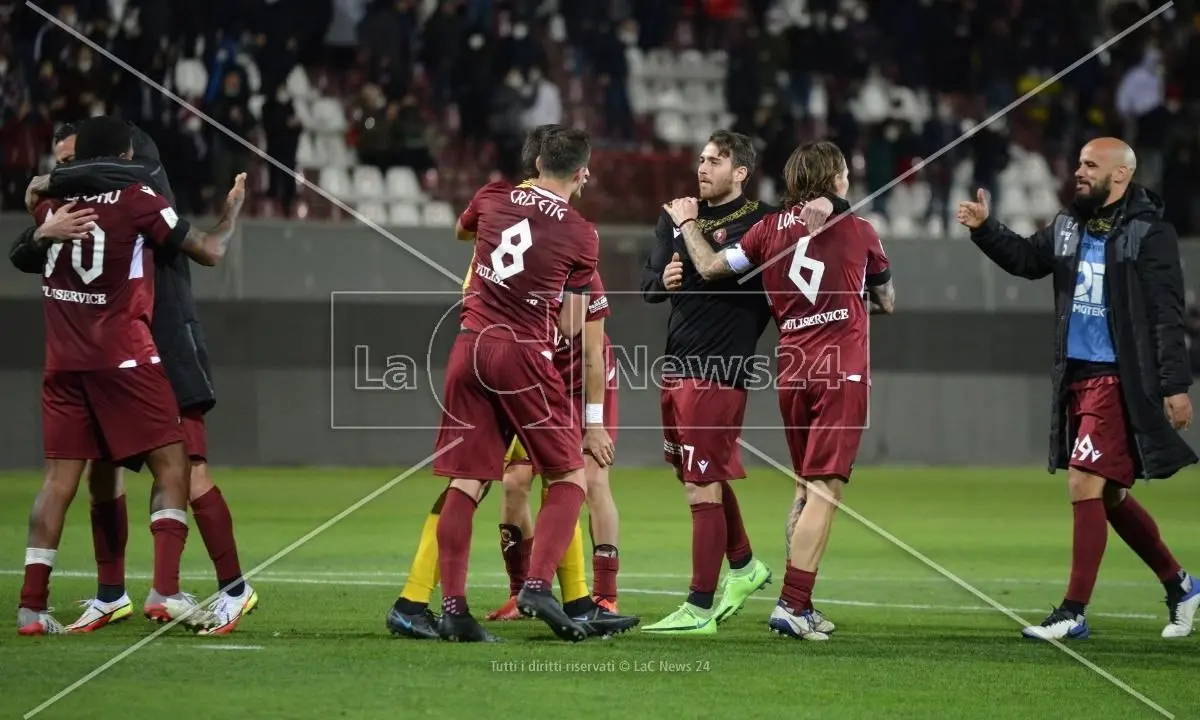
x=530 y=198
x=75 y=297
x=821 y=318
x=1089 y=289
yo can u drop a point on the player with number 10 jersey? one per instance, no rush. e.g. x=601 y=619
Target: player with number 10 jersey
x=814 y=283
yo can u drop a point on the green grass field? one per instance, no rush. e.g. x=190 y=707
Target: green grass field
x=910 y=643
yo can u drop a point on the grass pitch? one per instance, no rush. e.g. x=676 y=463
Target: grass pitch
x=910 y=643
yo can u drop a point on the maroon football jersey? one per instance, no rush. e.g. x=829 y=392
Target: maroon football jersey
x=99 y=292
x=530 y=246
x=568 y=358
x=815 y=291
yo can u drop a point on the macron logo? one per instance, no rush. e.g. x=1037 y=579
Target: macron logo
x=703 y=466
x=678 y=232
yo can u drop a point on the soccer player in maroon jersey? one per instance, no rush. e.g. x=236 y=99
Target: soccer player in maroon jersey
x=105 y=394
x=534 y=261
x=815 y=284
x=178 y=337
x=586 y=365
x=712 y=340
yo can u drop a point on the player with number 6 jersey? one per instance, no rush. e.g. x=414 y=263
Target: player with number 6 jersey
x=815 y=283
x=105 y=394
x=534 y=260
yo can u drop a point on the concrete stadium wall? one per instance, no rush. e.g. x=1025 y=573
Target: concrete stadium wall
x=303 y=317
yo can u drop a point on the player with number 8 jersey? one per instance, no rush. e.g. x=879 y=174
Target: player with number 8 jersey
x=815 y=284
x=535 y=257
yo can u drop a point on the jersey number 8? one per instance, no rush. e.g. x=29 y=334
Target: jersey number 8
x=513 y=243
x=87 y=275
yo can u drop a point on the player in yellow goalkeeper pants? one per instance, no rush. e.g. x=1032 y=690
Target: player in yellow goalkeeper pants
x=411 y=617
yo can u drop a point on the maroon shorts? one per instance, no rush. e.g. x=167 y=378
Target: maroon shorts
x=195 y=435
x=118 y=414
x=518 y=455
x=823 y=426
x=496 y=389
x=1100 y=436
x=701 y=425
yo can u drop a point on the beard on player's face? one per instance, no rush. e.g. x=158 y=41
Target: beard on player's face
x=1090 y=195
x=716 y=184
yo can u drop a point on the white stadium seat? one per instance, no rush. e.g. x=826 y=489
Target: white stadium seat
x=438 y=215
x=368 y=182
x=373 y=211
x=404 y=214
x=336 y=182
x=402 y=184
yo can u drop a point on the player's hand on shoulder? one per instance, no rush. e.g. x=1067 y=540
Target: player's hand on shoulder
x=973 y=214
x=683 y=209
x=237 y=195
x=599 y=445
x=672 y=277
x=815 y=213
x=66 y=223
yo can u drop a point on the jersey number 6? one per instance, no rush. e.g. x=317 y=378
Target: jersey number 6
x=87 y=275
x=800 y=261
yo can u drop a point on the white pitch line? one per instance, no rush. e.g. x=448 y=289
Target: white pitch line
x=257 y=569
x=367 y=580
x=933 y=565
x=228 y=647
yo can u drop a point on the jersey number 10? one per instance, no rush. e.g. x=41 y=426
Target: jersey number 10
x=87 y=275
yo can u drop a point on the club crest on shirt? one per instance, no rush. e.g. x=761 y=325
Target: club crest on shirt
x=720 y=236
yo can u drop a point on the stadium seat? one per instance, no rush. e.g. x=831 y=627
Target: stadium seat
x=256 y=106
x=304 y=114
x=335 y=150
x=329 y=115
x=298 y=85
x=670 y=126
x=641 y=99
x=375 y=212
x=402 y=185
x=404 y=214
x=191 y=78
x=310 y=153
x=438 y=215
x=368 y=182
x=253 y=76
x=336 y=182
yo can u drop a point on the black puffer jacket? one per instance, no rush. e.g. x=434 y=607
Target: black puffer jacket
x=1143 y=281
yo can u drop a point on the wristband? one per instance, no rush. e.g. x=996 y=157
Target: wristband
x=594 y=413
x=685 y=222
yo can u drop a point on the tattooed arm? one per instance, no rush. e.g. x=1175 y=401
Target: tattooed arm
x=207 y=247
x=882 y=298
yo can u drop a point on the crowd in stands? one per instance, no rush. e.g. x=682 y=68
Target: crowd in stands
x=399 y=109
